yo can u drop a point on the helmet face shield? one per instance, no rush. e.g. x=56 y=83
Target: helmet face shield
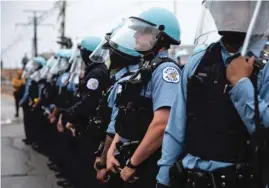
x=77 y=70
x=78 y=66
x=104 y=53
x=36 y=76
x=60 y=65
x=101 y=53
x=30 y=68
x=75 y=55
x=230 y=16
x=135 y=34
x=44 y=72
x=51 y=62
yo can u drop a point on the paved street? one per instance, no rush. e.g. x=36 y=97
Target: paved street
x=21 y=167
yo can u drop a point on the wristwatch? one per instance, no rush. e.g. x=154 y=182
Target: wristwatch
x=130 y=165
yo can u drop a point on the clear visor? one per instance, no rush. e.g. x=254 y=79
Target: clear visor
x=36 y=76
x=51 y=61
x=234 y=16
x=135 y=34
x=75 y=55
x=101 y=53
x=78 y=66
x=30 y=68
x=60 y=65
x=44 y=72
x=74 y=78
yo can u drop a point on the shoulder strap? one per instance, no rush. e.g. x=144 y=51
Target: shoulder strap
x=156 y=62
x=148 y=68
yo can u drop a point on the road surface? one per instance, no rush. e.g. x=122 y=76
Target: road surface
x=21 y=166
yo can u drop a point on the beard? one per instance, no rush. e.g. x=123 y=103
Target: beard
x=233 y=39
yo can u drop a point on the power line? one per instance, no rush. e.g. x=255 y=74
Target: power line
x=40 y=18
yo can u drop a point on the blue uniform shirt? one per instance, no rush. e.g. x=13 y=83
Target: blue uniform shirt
x=242 y=95
x=113 y=95
x=162 y=86
x=26 y=93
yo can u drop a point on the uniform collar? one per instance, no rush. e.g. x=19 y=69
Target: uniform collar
x=129 y=68
x=162 y=54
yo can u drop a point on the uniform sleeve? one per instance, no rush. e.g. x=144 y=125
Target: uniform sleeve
x=87 y=105
x=164 y=84
x=25 y=96
x=174 y=135
x=242 y=95
x=112 y=104
x=111 y=126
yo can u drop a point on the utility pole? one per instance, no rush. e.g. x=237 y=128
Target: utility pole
x=35 y=24
x=62 y=17
x=35 y=50
x=2 y=65
x=63 y=20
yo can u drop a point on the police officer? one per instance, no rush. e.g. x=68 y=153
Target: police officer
x=182 y=57
x=90 y=89
x=145 y=99
x=58 y=76
x=30 y=95
x=62 y=149
x=124 y=63
x=91 y=86
x=212 y=116
x=46 y=91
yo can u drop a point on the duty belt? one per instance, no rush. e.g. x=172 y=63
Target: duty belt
x=234 y=176
x=122 y=145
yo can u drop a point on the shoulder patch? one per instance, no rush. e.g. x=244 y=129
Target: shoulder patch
x=171 y=74
x=92 y=84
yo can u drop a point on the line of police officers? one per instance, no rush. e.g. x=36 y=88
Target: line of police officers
x=120 y=111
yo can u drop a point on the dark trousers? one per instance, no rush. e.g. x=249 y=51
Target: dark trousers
x=26 y=122
x=17 y=100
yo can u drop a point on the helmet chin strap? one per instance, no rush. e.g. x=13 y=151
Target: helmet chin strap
x=149 y=55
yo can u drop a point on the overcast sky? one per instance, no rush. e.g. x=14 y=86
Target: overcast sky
x=84 y=18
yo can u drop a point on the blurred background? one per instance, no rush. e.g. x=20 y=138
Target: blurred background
x=30 y=28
